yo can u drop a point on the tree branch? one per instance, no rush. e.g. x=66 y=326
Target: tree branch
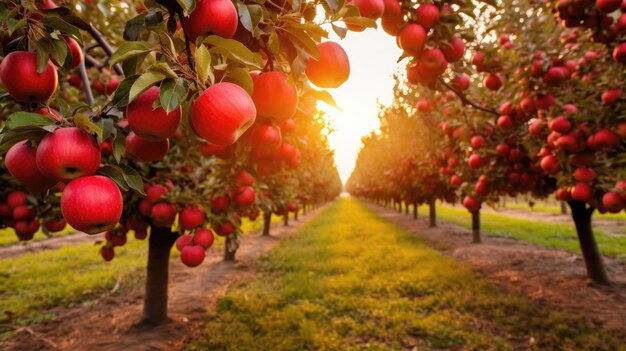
x=105 y=46
x=465 y=101
x=190 y=59
x=86 y=84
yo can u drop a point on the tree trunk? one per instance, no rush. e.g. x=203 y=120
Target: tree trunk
x=400 y=207
x=157 y=274
x=476 y=227
x=433 y=212
x=267 y=223
x=415 y=211
x=295 y=215
x=563 y=208
x=406 y=208
x=228 y=255
x=591 y=254
x=286 y=219
x=304 y=209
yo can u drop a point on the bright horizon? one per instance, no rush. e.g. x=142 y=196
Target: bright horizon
x=373 y=55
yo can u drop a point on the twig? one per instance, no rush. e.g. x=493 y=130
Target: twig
x=86 y=84
x=105 y=46
x=466 y=101
x=92 y=61
x=190 y=59
x=28 y=330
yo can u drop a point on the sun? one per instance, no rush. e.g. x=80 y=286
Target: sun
x=373 y=59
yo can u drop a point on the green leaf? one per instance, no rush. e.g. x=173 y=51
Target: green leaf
x=303 y=40
x=122 y=93
x=144 y=82
x=128 y=50
x=187 y=5
x=47 y=48
x=242 y=78
x=360 y=21
x=133 y=179
x=119 y=145
x=244 y=16
x=53 y=22
x=26 y=119
x=274 y=43
x=134 y=27
x=68 y=16
x=203 y=62
x=116 y=174
x=325 y=96
x=234 y=50
x=340 y=31
x=12 y=137
x=15 y=24
x=173 y=92
x=164 y=68
x=83 y=122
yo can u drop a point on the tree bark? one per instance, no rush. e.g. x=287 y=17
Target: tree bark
x=563 y=208
x=415 y=211
x=267 y=223
x=228 y=255
x=157 y=275
x=433 y=212
x=591 y=254
x=286 y=219
x=476 y=239
x=295 y=215
x=406 y=208
x=400 y=207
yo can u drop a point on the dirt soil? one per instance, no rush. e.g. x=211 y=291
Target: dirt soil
x=110 y=323
x=551 y=277
x=47 y=244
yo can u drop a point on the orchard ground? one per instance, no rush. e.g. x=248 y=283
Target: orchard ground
x=346 y=280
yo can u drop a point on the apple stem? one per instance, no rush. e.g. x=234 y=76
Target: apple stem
x=466 y=101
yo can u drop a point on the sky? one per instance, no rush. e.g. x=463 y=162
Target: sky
x=373 y=55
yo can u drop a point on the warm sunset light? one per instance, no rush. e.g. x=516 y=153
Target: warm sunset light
x=373 y=55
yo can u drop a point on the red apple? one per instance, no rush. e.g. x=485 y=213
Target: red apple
x=224 y=229
x=608 y=6
x=427 y=15
x=49 y=112
x=503 y=150
x=192 y=256
x=613 y=202
x=471 y=204
x=274 y=96
x=204 y=238
x=163 y=214
x=373 y=9
x=412 y=39
x=243 y=178
x=477 y=141
x=21 y=162
x=107 y=253
x=18 y=73
x=550 y=164
x=265 y=139
x=493 y=82
x=333 y=67
x=212 y=17
x=619 y=53
x=55 y=225
x=92 y=204
x=68 y=153
x=560 y=124
x=505 y=122
x=584 y=174
x=191 y=217
x=245 y=196
x=461 y=82
x=582 y=192
x=432 y=62
x=151 y=124
x=222 y=113
x=16 y=198
x=144 y=150
x=183 y=241
x=220 y=203
x=75 y=54
x=611 y=96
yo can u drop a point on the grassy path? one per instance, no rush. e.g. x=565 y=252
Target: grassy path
x=352 y=281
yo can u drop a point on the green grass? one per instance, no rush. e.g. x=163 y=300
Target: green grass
x=352 y=281
x=548 y=208
x=8 y=236
x=33 y=283
x=553 y=235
